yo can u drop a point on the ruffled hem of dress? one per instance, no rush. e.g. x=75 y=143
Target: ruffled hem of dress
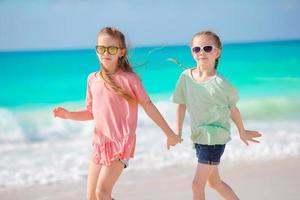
x=106 y=150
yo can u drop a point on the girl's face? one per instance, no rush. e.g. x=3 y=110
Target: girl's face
x=109 y=51
x=208 y=51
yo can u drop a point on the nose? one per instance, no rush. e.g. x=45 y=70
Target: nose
x=201 y=52
x=106 y=52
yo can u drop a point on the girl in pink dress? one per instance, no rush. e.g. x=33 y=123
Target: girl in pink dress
x=113 y=96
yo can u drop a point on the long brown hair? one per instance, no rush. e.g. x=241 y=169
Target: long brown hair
x=123 y=64
x=215 y=37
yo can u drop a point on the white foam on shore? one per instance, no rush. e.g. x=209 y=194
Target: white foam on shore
x=39 y=149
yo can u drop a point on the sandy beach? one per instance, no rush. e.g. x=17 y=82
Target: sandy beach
x=264 y=180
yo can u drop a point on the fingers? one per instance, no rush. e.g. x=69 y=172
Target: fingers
x=255 y=141
x=258 y=134
x=251 y=138
x=58 y=111
x=178 y=140
x=54 y=112
x=247 y=140
x=172 y=142
x=254 y=133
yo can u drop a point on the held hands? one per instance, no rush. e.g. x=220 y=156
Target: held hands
x=248 y=135
x=173 y=139
x=60 y=112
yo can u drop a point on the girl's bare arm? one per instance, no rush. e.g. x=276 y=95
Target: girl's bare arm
x=63 y=113
x=155 y=115
x=245 y=135
x=180 y=114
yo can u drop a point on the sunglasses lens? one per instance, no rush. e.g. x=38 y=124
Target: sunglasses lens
x=100 y=49
x=196 y=49
x=112 y=50
x=208 y=49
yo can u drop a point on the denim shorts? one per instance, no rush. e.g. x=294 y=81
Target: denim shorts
x=209 y=154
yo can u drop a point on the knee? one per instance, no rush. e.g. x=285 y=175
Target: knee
x=214 y=184
x=197 y=185
x=102 y=193
x=91 y=195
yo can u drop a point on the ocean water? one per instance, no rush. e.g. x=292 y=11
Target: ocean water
x=36 y=148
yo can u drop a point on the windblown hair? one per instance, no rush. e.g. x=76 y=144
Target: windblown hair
x=123 y=64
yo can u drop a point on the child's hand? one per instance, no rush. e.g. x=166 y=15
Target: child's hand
x=249 y=136
x=173 y=139
x=60 y=112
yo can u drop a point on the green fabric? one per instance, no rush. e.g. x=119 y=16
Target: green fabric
x=208 y=104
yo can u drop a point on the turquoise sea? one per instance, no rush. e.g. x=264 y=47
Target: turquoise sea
x=267 y=75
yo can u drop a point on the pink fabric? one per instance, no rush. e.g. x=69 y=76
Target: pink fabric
x=115 y=119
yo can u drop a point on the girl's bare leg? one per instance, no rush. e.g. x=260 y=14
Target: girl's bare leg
x=202 y=173
x=93 y=174
x=107 y=178
x=215 y=182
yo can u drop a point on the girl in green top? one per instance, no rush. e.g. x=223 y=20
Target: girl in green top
x=211 y=102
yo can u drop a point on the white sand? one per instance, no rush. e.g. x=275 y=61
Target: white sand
x=272 y=180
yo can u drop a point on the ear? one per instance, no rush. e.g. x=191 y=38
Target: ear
x=123 y=52
x=218 y=53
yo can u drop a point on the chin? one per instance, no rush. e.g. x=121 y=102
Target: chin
x=200 y=61
x=107 y=62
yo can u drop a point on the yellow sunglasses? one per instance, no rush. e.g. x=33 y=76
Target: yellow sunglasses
x=112 y=50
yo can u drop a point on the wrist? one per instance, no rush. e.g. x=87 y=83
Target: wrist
x=242 y=132
x=67 y=114
x=169 y=132
x=179 y=132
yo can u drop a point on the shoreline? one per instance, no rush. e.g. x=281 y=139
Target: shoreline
x=274 y=179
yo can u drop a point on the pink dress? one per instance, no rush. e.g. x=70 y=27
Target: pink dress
x=115 y=119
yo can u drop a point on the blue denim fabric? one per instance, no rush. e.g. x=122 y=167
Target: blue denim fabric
x=209 y=154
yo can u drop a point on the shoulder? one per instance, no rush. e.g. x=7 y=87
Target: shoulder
x=185 y=74
x=225 y=83
x=91 y=77
x=131 y=76
x=222 y=80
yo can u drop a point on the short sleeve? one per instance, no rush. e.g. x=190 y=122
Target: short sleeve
x=138 y=90
x=233 y=96
x=178 y=95
x=89 y=98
